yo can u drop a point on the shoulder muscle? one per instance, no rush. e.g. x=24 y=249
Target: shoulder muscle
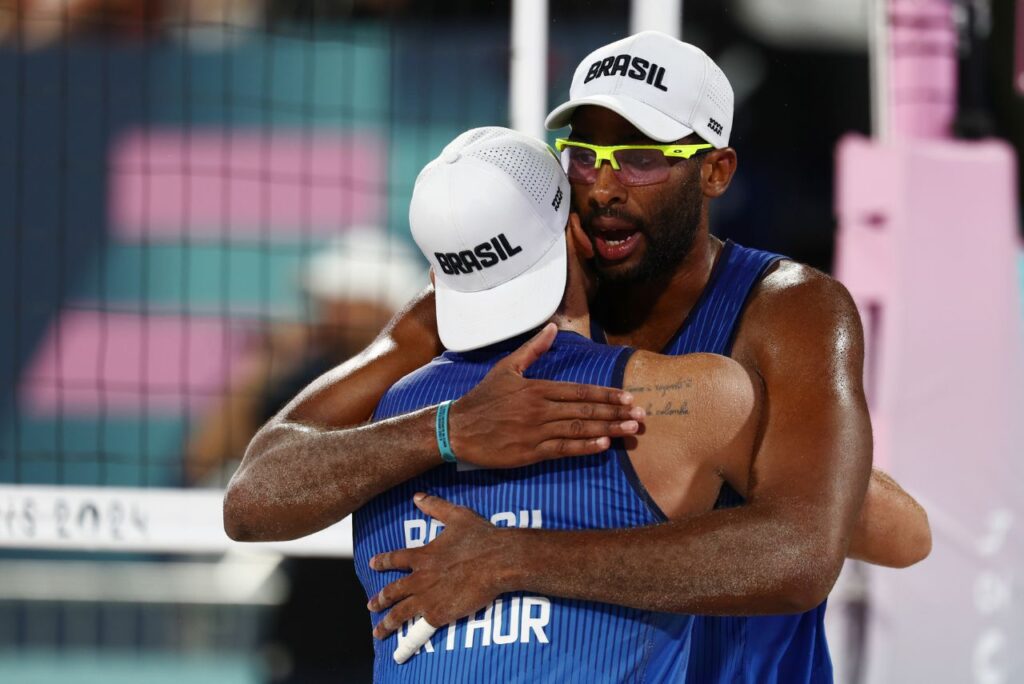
x=703 y=412
x=801 y=320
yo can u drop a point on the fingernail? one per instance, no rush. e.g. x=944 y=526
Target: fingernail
x=630 y=426
x=419 y=496
x=373 y=563
x=637 y=413
x=626 y=398
x=604 y=442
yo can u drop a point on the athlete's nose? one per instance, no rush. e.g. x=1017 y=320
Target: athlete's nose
x=607 y=189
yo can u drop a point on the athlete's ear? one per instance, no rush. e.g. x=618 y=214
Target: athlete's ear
x=716 y=171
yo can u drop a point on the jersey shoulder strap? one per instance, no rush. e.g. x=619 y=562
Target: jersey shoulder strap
x=711 y=325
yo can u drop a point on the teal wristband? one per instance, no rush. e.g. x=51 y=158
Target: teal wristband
x=444 y=444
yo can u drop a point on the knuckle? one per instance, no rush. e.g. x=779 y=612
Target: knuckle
x=396 y=616
x=576 y=428
x=587 y=411
x=405 y=612
x=416 y=582
x=563 y=447
x=534 y=415
x=581 y=392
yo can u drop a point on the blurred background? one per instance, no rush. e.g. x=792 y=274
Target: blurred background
x=203 y=207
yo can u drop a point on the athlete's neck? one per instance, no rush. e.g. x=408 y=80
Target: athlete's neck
x=646 y=315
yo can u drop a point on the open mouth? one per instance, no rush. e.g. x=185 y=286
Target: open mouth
x=615 y=245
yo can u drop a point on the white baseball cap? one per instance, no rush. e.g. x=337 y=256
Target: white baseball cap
x=668 y=89
x=490 y=215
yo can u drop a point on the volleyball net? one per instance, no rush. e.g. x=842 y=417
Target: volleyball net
x=197 y=208
x=203 y=205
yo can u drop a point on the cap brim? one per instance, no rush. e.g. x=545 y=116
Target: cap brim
x=648 y=120
x=470 y=320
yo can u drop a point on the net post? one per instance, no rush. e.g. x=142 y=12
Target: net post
x=665 y=16
x=528 y=85
x=1018 y=48
x=913 y=69
x=878 y=57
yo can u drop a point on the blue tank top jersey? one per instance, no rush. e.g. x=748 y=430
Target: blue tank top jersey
x=774 y=649
x=521 y=637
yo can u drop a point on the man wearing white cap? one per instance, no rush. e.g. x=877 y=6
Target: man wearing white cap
x=490 y=216
x=651 y=119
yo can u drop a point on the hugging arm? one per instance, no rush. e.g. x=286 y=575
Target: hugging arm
x=312 y=463
x=892 y=529
x=317 y=461
x=780 y=553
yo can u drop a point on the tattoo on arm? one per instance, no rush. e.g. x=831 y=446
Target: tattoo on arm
x=657 y=400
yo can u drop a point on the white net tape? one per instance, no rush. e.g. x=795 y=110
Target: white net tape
x=143 y=520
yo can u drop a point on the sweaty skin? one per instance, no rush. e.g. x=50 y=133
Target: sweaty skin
x=701 y=424
x=779 y=553
x=699 y=433
x=800 y=334
x=316 y=461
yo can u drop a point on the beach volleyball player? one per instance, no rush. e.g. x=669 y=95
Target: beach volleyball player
x=499 y=256
x=664 y=284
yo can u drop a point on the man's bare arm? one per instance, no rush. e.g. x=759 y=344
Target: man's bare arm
x=314 y=463
x=703 y=412
x=893 y=528
x=292 y=478
x=782 y=551
x=779 y=553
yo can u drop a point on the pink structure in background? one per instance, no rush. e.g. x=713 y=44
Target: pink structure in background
x=928 y=248
x=921 y=68
x=243 y=184
x=126 y=363
x=1018 y=57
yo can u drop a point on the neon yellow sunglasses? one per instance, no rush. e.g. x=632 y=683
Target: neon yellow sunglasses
x=633 y=164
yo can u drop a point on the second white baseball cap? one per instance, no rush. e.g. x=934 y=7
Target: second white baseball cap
x=668 y=89
x=490 y=215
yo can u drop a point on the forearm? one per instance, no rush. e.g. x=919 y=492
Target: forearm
x=892 y=529
x=743 y=561
x=297 y=479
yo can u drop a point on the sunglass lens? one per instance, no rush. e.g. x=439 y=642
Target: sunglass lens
x=641 y=167
x=578 y=164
